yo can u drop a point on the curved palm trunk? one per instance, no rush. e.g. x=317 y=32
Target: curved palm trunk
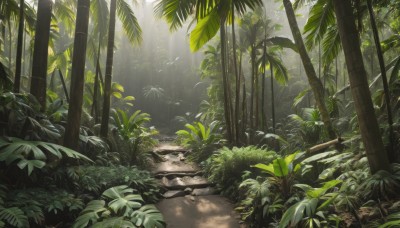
x=109 y=67
x=392 y=155
x=71 y=137
x=18 y=62
x=40 y=52
x=367 y=121
x=225 y=82
x=313 y=80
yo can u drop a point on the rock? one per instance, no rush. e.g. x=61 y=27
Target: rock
x=192 y=198
x=168 y=148
x=173 y=194
x=188 y=190
x=204 y=191
x=185 y=182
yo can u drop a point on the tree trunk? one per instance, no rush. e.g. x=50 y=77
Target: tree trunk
x=18 y=62
x=237 y=77
x=368 y=124
x=252 y=92
x=392 y=155
x=272 y=99
x=95 y=110
x=71 y=137
x=225 y=82
x=315 y=83
x=244 y=103
x=263 y=100
x=109 y=67
x=40 y=52
x=63 y=85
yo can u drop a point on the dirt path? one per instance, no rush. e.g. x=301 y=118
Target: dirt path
x=190 y=200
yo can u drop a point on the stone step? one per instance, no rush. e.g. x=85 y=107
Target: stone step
x=188 y=191
x=178 y=174
x=167 y=148
x=180 y=183
x=175 y=167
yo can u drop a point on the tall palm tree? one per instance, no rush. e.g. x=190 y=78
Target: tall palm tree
x=369 y=128
x=40 y=52
x=71 y=137
x=133 y=31
x=211 y=16
x=315 y=83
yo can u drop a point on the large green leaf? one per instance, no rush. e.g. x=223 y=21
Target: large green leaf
x=91 y=214
x=205 y=30
x=148 y=217
x=14 y=216
x=122 y=199
x=298 y=212
x=281 y=169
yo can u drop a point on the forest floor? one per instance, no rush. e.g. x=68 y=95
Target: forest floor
x=190 y=201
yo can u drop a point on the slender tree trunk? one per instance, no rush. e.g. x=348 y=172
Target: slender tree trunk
x=369 y=128
x=252 y=92
x=3 y=36
x=392 y=155
x=63 y=85
x=109 y=67
x=244 y=96
x=40 y=52
x=18 y=62
x=237 y=76
x=272 y=99
x=225 y=82
x=10 y=45
x=95 y=110
x=313 y=80
x=263 y=100
x=71 y=138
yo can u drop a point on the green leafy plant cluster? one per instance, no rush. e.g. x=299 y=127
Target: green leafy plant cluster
x=19 y=208
x=120 y=206
x=226 y=166
x=96 y=179
x=133 y=139
x=201 y=139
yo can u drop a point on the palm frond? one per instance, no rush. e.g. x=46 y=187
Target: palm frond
x=320 y=18
x=205 y=30
x=129 y=21
x=331 y=45
x=175 y=12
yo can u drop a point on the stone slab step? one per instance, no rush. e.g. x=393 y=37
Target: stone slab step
x=178 y=174
x=175 y=167
x=184 y=182
x=174 y=193
x=204 y=191
x=167 y=148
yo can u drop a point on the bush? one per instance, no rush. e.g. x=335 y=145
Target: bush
x=227 y=165
x=96 y=179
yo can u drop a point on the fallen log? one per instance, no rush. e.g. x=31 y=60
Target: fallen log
x=325 y=145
